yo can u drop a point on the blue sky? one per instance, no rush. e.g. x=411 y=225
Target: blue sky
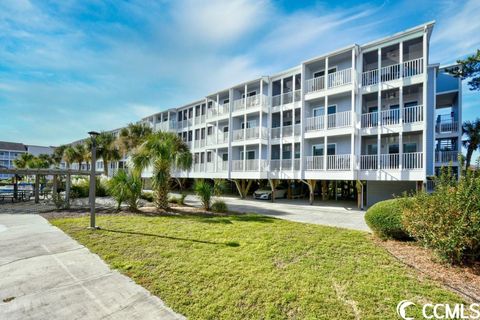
x=67 y=67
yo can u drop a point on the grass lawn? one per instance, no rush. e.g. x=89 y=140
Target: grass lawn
x=252 y=266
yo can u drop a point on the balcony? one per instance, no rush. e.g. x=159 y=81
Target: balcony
x=335 y=79
x=394 y=161
x=393 y=72
x=314 y=163
x=167 y=125
x=250 y=133
x=446 y=125
x=446 y=156
x=248 y=165
x=199 y=143
x=200 y=119
x=249 y=102
x=339 y=162
x=314 y=123
x=335 y=120
x=392 y=117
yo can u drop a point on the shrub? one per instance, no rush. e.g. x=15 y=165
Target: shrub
x=81 y=187
x=178 y=200
x=448 y=220
x=147 y=195
x=385 y=219
x=125 y=187
x=204 y=192
x=219 y=206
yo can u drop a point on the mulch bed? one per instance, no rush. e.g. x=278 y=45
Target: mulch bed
x=464 y=280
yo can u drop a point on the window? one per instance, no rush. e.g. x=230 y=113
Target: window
x=321 y=73
x=409 y=147
x=225 y=157
x=250 y=155
x=332 y=109
x=287 y=151
x=371 y=149
x=190 y=113
x=209 y=131
x=410 y=104
x=209 y=156
x=318 y=111
x=225 y=129
x=250 y=94
x=393 y=148
x=226 y=101
x=331 y=149
x=373 y=109
x=297 y=150
x=317 y=150
x=394 y=107
x=250 y=124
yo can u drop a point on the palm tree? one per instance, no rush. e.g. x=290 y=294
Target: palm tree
x=69 y=155
x=23 y=161
x=472 y=130
x=161 y=152
x=204 y=192
x=81 y=154
x=132 y=136
x=125 y=187
x=106 y=149
x=57 y=155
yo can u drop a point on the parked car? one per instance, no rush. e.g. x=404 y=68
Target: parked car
x=266 y=194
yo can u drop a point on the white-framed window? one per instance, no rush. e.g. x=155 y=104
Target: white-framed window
x=318 y=111
x=250 y=124
x=371 y=149
x=250 y=155
x=332 y=109
x=321 y=73
x=250 y=94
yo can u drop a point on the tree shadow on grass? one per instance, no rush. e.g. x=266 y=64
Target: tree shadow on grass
x=228 y=244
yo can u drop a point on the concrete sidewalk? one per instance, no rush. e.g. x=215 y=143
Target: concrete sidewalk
x=47 y=275
x=332 y=213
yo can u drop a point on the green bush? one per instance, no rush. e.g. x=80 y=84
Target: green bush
x=178 y=200
x=147 y=195
x=125 y=187
x=219 y=206
x=204 y=192
x=385 y=219
x=448 y=220
x=81 y=187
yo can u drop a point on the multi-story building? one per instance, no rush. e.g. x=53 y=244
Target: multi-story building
x=9 y=151
x=379 y=113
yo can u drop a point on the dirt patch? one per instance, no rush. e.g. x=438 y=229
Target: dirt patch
x=464 y=280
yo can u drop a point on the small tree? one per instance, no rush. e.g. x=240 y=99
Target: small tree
x=204 y=192
x=471 y=129
x=125 y=187
x=468 y=68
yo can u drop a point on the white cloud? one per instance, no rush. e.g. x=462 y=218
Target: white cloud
x=219 y=21
x=457 y=31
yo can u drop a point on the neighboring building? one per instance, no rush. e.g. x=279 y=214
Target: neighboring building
x=379 y=113
x=9 y=151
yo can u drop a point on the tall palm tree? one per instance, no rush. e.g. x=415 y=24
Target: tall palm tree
x=471 y=129
x=132 y=136
x=81 y=153
x=69 y=156
x=57 y=155
x=23 y=161
x=106 y=149
x=161 y=152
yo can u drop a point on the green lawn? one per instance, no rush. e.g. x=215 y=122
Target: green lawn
x=256 y=267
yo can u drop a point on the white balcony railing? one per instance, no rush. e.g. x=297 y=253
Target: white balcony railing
x=287 y=131
x=390 y=117
x=413 y=67
x=223 y=137
x=314 y=163
x=315 y=84
x=340 y=119
x=413 y=114
x=287 y=97
x=251 y=165
x=410 y=68
x=446 y=126
x=210 y=167
x=368 y=162
x=297 y=129
x=370 y=77
x=275 y=133
x=339 y=162
x=369 y=120
x=252 y=133
x=249 y=102
x=340 y=78
x=287 y=164
x=237 y=165
x=389 y=161
x=238 y=135
x=446 y=156
x=211 y=140
x=314 y=123
x=199 y=143
x=276 y=100
x=275 y=164
x=413 y=160
x=223 y=165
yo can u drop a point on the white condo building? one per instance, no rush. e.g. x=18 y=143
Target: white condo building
x=380 y=113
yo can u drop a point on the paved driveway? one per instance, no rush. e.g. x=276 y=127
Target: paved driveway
x=47 y=275
x=331 y=213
